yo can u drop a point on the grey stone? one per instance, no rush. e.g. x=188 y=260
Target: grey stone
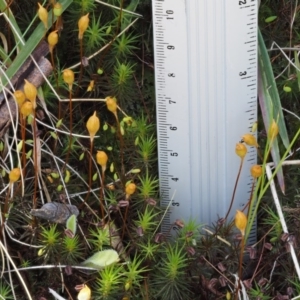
x=55 y=212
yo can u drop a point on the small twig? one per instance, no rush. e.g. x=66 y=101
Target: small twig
x=65 y=132
x=281 y=217
x=218 y=237
x=47 y=267
x=9 y=232
x=217 y=270
x=165 y=212
x=287 y=58
x=15 y=269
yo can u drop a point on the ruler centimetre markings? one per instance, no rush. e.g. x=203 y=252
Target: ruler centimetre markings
x=197 y=86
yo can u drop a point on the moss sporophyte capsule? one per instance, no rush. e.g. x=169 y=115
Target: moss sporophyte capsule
x=83 y=24
x=101 y=158
x=240 y=221
x=130 y=189
x=14 y=175
x=111 y=104
x=93 y=125
x=57 y=10
x=26 y=109
x=250 y=140
x=241 y=150
x=256 y=171
x=30 y=92
x=68 y=77
x=91 y=86
x=53 y=40
x=43 y=15
x=20 y=97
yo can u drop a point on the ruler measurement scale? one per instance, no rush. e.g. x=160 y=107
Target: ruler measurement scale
x=205 y=64
x=169 y=76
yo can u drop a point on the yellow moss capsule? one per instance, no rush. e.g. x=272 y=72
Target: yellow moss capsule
x=59 y=188
x=111 y=187
x=30 y=92
x=85 y=293
x=95 y=176
x=43 y=15
x=130 y=189
x=91 y=86
x=287 y=89
x=20 y=146
x=14 y=175
x=41 y=251
x=273 y=130
x=19 y=97
x=28 y=154
x=112 y=167
x=50 y=179
x=83 y=24
x=240 y=221
x=250 y=140
x=228 y=295
x=67 y=177
x=241 y=150
x=111 y=104
x=254 y=127
x=68 y=77
x=26 y=109
x=127 y=286
x=256 y=171
x=93 y=125
x=52 y=39
x=102 y=159
x=57 y=9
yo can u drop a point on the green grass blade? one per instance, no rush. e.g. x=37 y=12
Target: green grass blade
x=4 y=56
x=264 y=97
x=30 y=45
x=9 y=14
x=297 y=70
x=272 y=105
x=127 y=19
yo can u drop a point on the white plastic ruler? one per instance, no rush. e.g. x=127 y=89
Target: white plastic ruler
x=206 y=93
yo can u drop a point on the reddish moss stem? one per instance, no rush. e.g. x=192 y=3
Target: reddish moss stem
x=240 y=267
x=102 y=195
x=35 y=161
x=90 y=172
x=235 y=187
x=70 y=128
x=23 y=145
